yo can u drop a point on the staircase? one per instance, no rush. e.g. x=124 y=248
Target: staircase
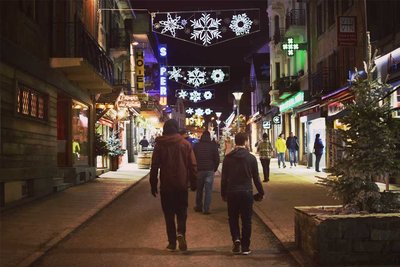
x=59 y=184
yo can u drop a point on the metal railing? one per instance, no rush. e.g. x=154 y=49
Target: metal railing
x=296 y=17
x=119 y=38
x=73 y=40
x=287 y=84
x=279 y=35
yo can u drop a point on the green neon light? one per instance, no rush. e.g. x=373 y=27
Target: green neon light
x=292 y=102
x=290 y=47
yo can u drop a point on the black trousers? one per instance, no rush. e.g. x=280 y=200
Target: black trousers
x=265 y=165
x=240 y=203
x=317 y=160
x=174 y=204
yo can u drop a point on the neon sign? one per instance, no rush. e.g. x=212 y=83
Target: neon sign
x=292 y=102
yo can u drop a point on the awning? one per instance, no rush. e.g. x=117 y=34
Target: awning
x=82 y=73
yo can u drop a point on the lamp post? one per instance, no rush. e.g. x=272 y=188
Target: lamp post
x=218 y=114
x=238 y=96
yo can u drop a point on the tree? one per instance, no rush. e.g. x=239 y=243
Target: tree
x=369 y=148
x=114 y=145
x=101 y=146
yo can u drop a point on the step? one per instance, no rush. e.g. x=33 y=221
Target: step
x=58 y=181
x=61 y=187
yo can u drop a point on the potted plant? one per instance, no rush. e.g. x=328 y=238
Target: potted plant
x=366 y=228
x=101 y=147
x=115 y=150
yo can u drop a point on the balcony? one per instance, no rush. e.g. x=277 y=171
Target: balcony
x=78 y=55
x=295 y=22
x=279 y=35
x=119 y=39
x=287 y=86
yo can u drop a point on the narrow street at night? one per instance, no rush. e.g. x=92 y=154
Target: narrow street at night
x=131 y=232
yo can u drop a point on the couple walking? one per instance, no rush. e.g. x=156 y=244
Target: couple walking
x=290 y=144
x=175 y=159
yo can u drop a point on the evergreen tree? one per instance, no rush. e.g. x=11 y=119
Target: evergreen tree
x=369 y=148
x=114 y=145
x=101 y=146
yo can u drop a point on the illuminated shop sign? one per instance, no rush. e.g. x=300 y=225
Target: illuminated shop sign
x=276 y=119
x=294 y=101
x=266 y=124
x=139 y=70
x=334 y=108
x=163 y=75
x=291 y=46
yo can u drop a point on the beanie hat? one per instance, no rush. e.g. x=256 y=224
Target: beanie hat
x=170 y=127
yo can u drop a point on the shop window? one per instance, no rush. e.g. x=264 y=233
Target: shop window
x=80 y=134
x=398 y=103
x=31 y=103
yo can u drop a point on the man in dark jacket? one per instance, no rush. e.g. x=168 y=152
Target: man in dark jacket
x=239 y=168
x=318 y=151
x=207 y=158
x=174 y=156
x=292 y=145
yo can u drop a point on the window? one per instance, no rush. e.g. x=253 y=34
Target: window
x=346 y=4
x=80 y=133
x=398 y=103
x=331 y=12
x=320 y=19
x=31 y=103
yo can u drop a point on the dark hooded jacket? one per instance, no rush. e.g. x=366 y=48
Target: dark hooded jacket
x=239 y=168
x=174 y=156
x=206 y=153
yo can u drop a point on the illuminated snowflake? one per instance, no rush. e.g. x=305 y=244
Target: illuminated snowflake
x=208 y=111
x=182 y=94
x=171 y=24
x=206 y=29
x=218 y=76
x=241 y=24
x=175 y=74
x=184 y=22
x=207 y=95
x=196 y=77
x=195 y=96
x=199 y=111
x=189 y=111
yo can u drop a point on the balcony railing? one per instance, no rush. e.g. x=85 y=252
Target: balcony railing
x=296 y=17
x=279 y=35
x=287 y=84
x=72 y=40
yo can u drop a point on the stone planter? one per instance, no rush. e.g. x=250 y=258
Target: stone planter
x=328 y=239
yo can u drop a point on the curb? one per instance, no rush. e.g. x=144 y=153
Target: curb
x=43 y=249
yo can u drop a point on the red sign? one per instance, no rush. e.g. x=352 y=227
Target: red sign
x=347 y=31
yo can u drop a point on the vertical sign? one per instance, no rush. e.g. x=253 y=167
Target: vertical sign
x=162 y=50
x=139 y=70
x=347 y=31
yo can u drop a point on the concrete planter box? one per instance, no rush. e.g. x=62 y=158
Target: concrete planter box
x=328 y=239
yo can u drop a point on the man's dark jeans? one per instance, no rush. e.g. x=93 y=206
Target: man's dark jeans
x=317 y=161
x=174 y=203
x=240 y=203
x=265 y=165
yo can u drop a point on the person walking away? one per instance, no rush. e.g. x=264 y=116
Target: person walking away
x=239 y=169
x=265 y=151
x=228 y=145
x=144 y=143
x=280 y=146
x=175 y=159
x=292 y=145
x=318 y=151
x=207 y=158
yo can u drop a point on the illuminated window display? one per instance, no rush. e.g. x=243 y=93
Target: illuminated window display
x=80 y=132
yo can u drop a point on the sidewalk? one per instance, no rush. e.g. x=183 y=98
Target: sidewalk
x=27 y=232
x=288 y=188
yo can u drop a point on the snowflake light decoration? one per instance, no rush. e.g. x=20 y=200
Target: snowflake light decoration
x=241 y=24
x=207 y=95
x=190 y=111
x=196 y=77
x=206 y=29
x=217 y=75
x=175 y=74
x=195 y=96
x=199 y=111
x=208 y=111
x=184 y=22
x=170 y=25
x=182 y=94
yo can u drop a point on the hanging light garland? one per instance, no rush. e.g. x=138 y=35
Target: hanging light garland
x=199 y=111
x=198 y=76
x=207 y=28
x=195 y=95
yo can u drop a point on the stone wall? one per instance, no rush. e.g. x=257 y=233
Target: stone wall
x=347 y=239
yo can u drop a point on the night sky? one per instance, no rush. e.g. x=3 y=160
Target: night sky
x=230 y=53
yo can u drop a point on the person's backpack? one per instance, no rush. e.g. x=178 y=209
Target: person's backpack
x=265 y=150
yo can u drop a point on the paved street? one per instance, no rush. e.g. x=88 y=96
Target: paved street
x=131 y=232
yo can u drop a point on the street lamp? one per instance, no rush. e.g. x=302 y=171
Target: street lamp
x=238 y=96
x=218 y=114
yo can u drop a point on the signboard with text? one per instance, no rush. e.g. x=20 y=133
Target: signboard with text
x=347 y=31
x=139 y=70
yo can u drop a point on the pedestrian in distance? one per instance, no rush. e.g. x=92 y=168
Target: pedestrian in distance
x=175 y=159
x=239 y=171
x=280 y=146
x=265 y=151
x=292 y=145
x=207 y=158
x=318 y=151
x=228 y=146
x=144 y=143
